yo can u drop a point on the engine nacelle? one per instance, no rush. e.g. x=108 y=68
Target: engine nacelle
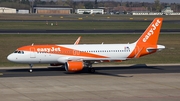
x=74 y=66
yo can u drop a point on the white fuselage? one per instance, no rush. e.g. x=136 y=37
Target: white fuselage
x=104 y=51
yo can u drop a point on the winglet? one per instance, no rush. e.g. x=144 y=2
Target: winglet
x=77 y=41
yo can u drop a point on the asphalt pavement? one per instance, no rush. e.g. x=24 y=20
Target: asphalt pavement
x=113 y=70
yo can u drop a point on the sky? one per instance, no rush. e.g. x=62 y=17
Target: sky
x=167 y=1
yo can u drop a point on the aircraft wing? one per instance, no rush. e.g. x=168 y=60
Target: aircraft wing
x=96 y=59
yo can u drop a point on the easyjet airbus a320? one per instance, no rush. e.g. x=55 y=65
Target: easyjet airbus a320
x=75 y=57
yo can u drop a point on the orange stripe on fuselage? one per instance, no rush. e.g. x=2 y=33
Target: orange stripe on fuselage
x=55 y=49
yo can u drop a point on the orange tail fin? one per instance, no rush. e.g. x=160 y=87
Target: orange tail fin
x=147 y=43
x=151 y=34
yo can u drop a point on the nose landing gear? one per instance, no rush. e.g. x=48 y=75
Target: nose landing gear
x=30 y=70
x=90 y=68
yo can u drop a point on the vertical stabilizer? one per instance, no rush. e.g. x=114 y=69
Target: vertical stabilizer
x=151 y=34
x=147 y=43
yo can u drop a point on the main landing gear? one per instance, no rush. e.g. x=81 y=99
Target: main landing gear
x=90 y=69
x=30 y=70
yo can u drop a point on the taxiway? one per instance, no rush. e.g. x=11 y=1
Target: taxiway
x=109 y=83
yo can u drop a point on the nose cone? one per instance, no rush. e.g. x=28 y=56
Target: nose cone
x=11 y=58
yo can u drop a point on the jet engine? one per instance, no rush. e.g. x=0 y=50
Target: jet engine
x=74 y=66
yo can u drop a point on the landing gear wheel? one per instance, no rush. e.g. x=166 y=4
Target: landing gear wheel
x=91 y=70
x=30 y=70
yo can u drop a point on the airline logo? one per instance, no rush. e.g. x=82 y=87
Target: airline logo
x=151 y=31
x=51 y=49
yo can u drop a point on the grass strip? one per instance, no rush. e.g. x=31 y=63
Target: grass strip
x=52 y=25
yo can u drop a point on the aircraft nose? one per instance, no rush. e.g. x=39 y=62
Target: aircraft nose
x=10 y=57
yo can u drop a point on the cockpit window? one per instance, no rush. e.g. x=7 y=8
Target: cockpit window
x=15 y=51
x=19 y=52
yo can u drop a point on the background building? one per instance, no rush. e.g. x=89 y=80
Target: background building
x=89 y=11
x=52 y=10
x=22 y=11
x=7 y=10
x=167 y=11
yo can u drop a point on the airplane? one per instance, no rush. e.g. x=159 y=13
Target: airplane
x=77 y=56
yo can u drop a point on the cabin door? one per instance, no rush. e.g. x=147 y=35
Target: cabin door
x=32 y=52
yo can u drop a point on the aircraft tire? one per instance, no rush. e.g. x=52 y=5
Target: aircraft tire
x=91 y=70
